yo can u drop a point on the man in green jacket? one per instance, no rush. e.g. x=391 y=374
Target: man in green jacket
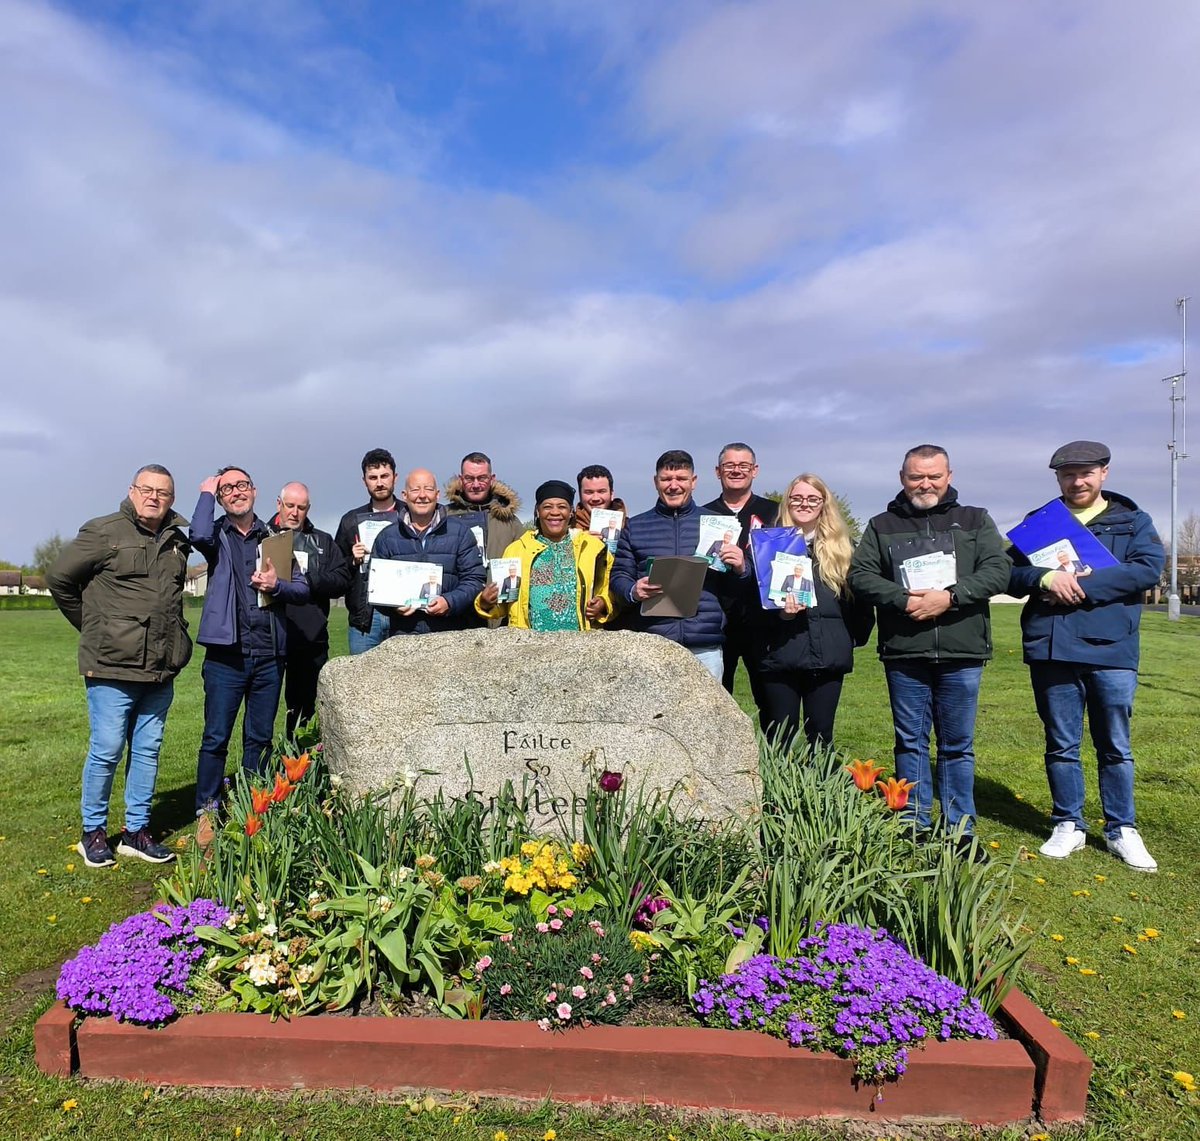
x=119 y=582
x=929 y=564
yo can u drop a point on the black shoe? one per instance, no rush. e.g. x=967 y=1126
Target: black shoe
x=93 y=847
x=143 y=845
x=971 y=848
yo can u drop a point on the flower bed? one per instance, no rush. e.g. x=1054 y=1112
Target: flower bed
x=1038 y=1070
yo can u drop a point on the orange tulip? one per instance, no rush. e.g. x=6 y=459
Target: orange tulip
x=895 y=792
x=282 y=789
x=865 y=773
x=260 y=800
x=253 y=824
x=296 y=767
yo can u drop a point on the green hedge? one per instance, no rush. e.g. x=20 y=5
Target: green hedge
x=26 y=602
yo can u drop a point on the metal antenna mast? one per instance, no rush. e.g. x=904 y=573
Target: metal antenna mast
x=1178 y=450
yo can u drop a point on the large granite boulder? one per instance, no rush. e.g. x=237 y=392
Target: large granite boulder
x=467 y=711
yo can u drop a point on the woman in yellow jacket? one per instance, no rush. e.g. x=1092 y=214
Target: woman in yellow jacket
x=562 y=580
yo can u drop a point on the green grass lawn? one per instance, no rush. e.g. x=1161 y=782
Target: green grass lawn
x=1123 y=1014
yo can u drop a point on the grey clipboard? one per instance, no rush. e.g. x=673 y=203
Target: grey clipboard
x=682 y=580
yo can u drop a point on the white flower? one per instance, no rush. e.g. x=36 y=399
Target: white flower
x=211 y=965
x=335 y=779
x=262 y=970
x=491 y=867
x=314 y=897
x=232 y=921
x=401 y=874
x=410 y=778
x=262 y=910
x=302 y=973
x=269 y=930
x=385 y=904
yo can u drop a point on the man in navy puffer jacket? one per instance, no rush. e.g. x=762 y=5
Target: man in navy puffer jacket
x=1080 y=637
x=672 y=527
x=424 y=533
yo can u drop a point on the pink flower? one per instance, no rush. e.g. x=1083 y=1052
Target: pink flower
x=610 y=999
x=543 y=1024
x=596 y=956
x=629 y=980
x=555 y=924
x=506 y=989
x=551 y=996
x=552 y=910
x=484 y=963
x=610 y=781
x=579 y=991
x=586 y=972
x=568 y=912
x=506 y=937
x=543 y=928
x=563 y=1010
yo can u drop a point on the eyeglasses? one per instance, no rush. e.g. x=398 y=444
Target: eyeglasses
x=805 y=500
x=476 y=479
x=738 y=467
x=152 y=492
x=241 y=485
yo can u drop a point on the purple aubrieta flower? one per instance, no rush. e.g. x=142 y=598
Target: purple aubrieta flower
x=140 y=969
x=852 y=990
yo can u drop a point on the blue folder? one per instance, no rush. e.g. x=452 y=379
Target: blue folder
x=765 y=544
x=1050 y=525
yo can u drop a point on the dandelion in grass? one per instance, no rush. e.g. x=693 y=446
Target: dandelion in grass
x=1082 y=892
x=1150 y=932
x=1117 y=919
x=994 y=845
x=1058 y=938
x=85 y=899
x=70 y=1104
x=1179 y=1014
x=1072 y=961
x=70 y=867
x=499 y=1135
x=1040 y=880
x=1101 y=879
x=549 y=1135
x=1129 y=949
x=1056 y=1022
x=1092 y=1034
x=1086 y=971
x=51 y=918
x=43 y=871
x=1185 y=1079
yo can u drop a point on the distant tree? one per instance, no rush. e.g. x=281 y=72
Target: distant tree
x=6 y=565
x=46 y=552
x=843 y=503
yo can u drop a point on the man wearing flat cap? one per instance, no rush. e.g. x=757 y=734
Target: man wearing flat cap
x=1080 y=637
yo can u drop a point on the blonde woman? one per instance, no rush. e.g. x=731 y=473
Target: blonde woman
x=807 y=651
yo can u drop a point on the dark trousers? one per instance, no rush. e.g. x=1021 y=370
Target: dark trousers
x=300 y=683
x=786 y=695
x=230 y=679
x=740 y=645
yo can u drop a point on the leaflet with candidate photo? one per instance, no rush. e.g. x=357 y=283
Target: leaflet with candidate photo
x=929 y=572
x=766 y=545
x=369 y=529
x=506 y=574
x=715 y=532
x=1052 y=531
x=606 y=524
x=403 y=585
x=792 y=578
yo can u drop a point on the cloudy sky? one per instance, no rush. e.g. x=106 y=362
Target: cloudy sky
x=277 y=234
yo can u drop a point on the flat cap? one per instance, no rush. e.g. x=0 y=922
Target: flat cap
x=1081 y=452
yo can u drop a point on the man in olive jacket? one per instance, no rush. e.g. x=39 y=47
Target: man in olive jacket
x=119 y=582
x=929 y=565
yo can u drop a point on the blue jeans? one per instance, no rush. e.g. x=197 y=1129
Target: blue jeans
x=944 y=697
x=230 y=679
x=381 y=628
x=123 y=715
x=1061 y=691
x=712 y=659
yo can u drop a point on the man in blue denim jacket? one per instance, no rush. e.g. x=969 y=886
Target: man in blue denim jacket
x=1080 y=638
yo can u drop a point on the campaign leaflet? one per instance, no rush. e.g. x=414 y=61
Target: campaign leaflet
x=369 y=529
x=506 y=574
x=935 y=571
x=606 y=525
x=1053 y=538
x=403 y=585
x=792 y=577
x=715 y=532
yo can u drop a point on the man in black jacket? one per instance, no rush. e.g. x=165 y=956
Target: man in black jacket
x=736 y=468
x=329 y=575
x=355 y=534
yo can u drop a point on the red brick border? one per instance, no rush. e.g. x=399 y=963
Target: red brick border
x=977 y=1082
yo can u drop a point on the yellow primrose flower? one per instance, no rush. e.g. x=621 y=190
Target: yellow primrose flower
x=1092 y=1034
x=1040 y=879
x=1178 y=1014
x=1072 y=961
x=1129 y=949
x=1150 y=932
x=71 y=1103
x=1058 y=938
x=1086 y=971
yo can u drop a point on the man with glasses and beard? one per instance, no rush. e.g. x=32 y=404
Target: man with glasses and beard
x=245 y=643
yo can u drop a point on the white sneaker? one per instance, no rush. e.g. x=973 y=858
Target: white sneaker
x=1128 y=845
x=1064 y=840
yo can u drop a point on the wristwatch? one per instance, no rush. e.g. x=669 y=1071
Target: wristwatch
x=953 y=597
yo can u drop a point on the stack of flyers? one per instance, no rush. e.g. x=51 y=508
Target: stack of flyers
x=368 y=530
x=607 y=525
x=792 y=577
x=506 y=574
x=715 y=532
x=403 y=585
